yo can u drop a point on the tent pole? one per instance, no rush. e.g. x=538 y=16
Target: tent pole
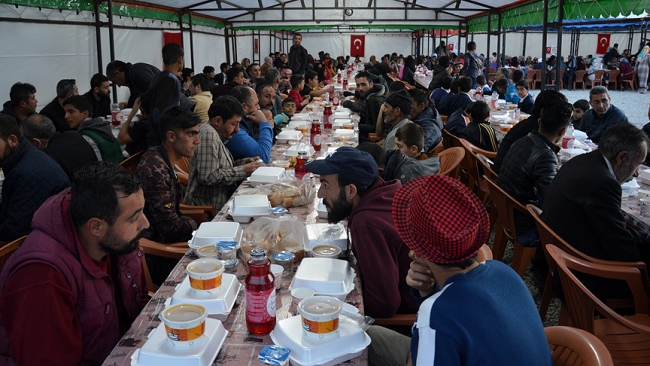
x=544 y=39
x=488 y=55
x=503 y=46
x=191 y=39
x=558 y=60
x=98 y=33
x=111 y=43
x=460 y=25
x=227 y=36
x=499 y=55
x=523 y=52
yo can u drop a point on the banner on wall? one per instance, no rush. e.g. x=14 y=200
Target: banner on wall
x=173 y=37
x=357 y=46
x=603 y=43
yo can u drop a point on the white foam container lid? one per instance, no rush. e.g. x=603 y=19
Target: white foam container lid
x=288 y=134
x=295 y=123
x=256 y=204
x=570 y=153
x=266 y=175
x=219 y=302
x=314 y=230
x=350 y=343
x=341 y=114
x=338 y=121
x=293 y=150
x=326 y=276
x=159 y=351
x=321 y=209
x=211 y=233
x=301 y=117
x=645 y=175
x=343 y=132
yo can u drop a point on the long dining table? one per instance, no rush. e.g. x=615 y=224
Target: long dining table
x=240 y=347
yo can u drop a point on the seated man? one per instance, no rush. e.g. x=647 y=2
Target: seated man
x=266 y=95
x=96 y=131
x=351 y=188
x=602 y=115
x=31 y=177
x=135 y=134
x=22 y=101
x=453 y=102
x=531 y=164
x=442 y=91
x=99 y=96
x=470 y=313
x=162 y=191
x=396 y=110
x=374 y=95
x=246 y=141
x=407 y=161
x=84 y=245
x=479 y=131
x=427 y=118
x=583 y=202
x=235 y=76
x=200 y=91
x=214 y=174
x=68 y=149
x=54 y=110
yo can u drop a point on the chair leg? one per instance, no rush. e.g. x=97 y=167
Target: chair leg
x=546 y=296
x=565 y=317
x=522 y=256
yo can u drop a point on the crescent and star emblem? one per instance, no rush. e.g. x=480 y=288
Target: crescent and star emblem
x=355 y=43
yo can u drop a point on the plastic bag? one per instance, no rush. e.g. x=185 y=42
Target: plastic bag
x=288 y=192
x=285 y=233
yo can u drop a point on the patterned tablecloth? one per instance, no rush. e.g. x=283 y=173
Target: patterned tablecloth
x=240 y=347
x=632 y=209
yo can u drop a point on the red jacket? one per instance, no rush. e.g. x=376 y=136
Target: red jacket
x=54 y=243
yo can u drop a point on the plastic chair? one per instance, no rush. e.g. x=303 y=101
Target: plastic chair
x=553 y=82
x=530 y=76
x=198 y=213
x=613 y=79
x=486 y=164
x=183 y=170
x=175 y=250
x=598 y=78
x=132 y=161
x=631 y=83
x=575 y=347
x=579 y=77
x=444 y=119
x=450 y=160
x=626 y=337
x=8 y=249
x=439 y=147
x=538 y=78
x=484 y=253
x=474 y=171
x=505 y=228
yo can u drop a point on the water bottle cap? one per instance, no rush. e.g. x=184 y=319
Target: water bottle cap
x=258 y=252
x=226 y=245
x=283 y=256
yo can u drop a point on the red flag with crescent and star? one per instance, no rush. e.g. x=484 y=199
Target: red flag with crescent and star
x=357 y=46
x=603 y=43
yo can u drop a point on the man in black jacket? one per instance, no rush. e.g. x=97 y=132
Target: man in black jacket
x=137 y=77
x=99 y=96
x=54 y=110
x=298 y=56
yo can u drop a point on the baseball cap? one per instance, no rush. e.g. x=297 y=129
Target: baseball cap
x=356 y=165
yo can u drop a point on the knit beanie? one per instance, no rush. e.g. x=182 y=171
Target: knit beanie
x=401 y=99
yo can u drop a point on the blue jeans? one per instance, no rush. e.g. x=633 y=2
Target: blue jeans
x=528 y=237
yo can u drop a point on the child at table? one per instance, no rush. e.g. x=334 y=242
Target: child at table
x=579 y=109
x=288 y=110
x=525 y=99
x=482 y=85
x=298 y=84
x=313 y=87
x=478 y=131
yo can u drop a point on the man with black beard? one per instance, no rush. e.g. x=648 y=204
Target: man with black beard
x=351 y=188
x=74 y=287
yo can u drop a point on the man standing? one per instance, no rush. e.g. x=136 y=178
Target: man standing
x=602 y=114
x=162 y=191
x=473 y=64
x=396 y=111
x=83 y=261
x=137 y=77
x=98 y=96
x=351 y=188
x=22 y=101
x=427 y=118
x=298 y=56
x=31 y=177
x=214 y=174
x=96 y=131
x=200 y=91
x=583 y=202
x=65 y=89
x=246 y=142
x=68 y=149
x=470 y=313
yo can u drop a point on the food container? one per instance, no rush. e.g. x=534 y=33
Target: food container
x=300 y=117
x=327 y=234
x=184 y=323
x=330 y=277
x=289 y=135
x=274 y=356
x=205 y=274
x=293 y=150
x=326 y=251
x=284 y=164
x=320 y=316
x=248 y=191
x=341 y=114
x=343 y=132
x=571 y=153
x=321 y=210
x=644 y=176
x=505 y=127
x=218 y=303
x=211 y=233
x=277 y=271
x=266 y=175
x=513 y=122
x=208 y=251
x=257 y=204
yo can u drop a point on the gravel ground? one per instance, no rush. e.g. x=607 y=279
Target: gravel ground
x=634 y=105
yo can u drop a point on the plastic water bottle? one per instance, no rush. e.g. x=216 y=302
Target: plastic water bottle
x=568 y=140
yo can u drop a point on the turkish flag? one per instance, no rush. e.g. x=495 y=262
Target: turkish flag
x=357 y=46
x=173 y=37
x=603 y=43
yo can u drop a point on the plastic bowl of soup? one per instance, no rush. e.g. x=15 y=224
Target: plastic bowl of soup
x=320 y=316
x=205 y=274
x=326 y=251
x=184 y=323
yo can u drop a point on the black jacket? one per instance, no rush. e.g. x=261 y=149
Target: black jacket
x=527 y=171
x=139 y=77
x=298 y=59
x=453 y=102
x=56 y=113
x=519 y=130
x=9 y=110
x=70 y=151
x=439 y=72
x=101 y=107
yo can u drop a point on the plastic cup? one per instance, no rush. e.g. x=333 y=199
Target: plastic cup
x=205 y=274
x=282 y=164
x=505 y=127
x=184 y=323
x=208 y=251
x=299 y=294
x=320 y=316
x=277 y=270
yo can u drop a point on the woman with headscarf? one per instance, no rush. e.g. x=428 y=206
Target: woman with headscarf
x=268 y=63
x=627 y=71
x=642 y=68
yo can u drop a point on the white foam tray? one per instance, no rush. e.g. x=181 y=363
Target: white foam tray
x=350 y=343
x=321 y=209
x=293 y=150
x=314 y=230
x=266 y=175
x=217 y=303
x=159 y=351
x=289 y=135
x=256 y=204
x=211 y=233
x=326 y=276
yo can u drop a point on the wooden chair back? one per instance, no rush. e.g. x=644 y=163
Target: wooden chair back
x=474 y=168
x=579 y=77
x=627 y=338
x=132 y=161
x=450 y=160
x=176 y=251
x=8 y=249
x=575 y=347
x=198 y=213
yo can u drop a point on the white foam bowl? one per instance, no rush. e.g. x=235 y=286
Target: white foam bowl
x=331 y=277
x=257 y=204
x=211 y=233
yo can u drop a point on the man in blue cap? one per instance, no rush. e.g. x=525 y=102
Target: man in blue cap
x=351 y=188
